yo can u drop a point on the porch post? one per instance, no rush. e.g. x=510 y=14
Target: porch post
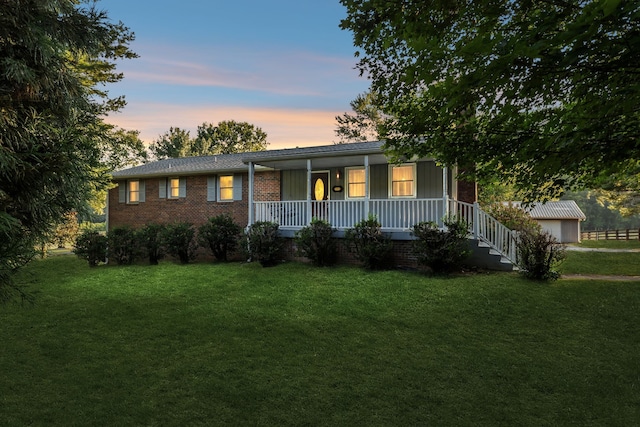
x=445 y=192
x=251 y=207
x=366 y=186
x=309 y=191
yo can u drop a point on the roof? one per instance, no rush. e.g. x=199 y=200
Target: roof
x=354 y=148
x=238 y=162
x=186 y=166
x=561 y=209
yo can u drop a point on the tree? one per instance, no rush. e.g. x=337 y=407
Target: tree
x=228 y=137
x=55 y=56
x=363 y=125
x=545 y=92
x=172 y=144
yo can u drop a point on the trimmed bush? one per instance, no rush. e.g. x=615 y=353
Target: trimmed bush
x=91 y=246
x=220 y=235
x=441 y=250
x=263 y=243
x=316 y=242
x=150 y=241
x=539 y=255
x=369 y=244
x=122 y=245
x=179 y=241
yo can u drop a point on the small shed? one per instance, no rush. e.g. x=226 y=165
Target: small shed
x=561 y=218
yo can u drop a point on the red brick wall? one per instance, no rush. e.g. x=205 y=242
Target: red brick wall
x=194 y=208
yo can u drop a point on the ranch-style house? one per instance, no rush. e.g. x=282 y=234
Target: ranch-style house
x=340 y=183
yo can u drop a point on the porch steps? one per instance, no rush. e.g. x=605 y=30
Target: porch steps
x=484 y=256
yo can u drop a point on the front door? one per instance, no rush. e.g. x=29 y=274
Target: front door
x=320 y=192
x=320 y=186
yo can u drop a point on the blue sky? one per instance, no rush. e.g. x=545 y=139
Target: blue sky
x=282 y=65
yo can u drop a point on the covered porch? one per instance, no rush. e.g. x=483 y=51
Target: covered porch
x=318 y=182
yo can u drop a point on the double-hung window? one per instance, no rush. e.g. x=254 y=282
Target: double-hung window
x=356 y=183
x=402 y=180
x=134 y=191
x=226 y=188
x=174 y=188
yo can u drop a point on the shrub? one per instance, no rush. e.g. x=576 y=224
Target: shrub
x=513 y=217
x=91 y=246
x=539 y=254
x=179 y=241
x=67 y=231
x=150 y=241
x=316 y=242
x=369 y=244
x=441 y=250
x=122 y=245
x=263 y=242
x=220 y=234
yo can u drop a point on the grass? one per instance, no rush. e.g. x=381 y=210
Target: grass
x=607 y=263
x=610 y=244
x=294 y=345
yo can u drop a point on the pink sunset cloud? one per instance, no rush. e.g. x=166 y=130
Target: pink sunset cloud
x=285 y=128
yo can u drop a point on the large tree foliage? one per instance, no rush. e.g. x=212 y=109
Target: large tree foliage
x=55 y=57
x=174 y=143
x=227 y=137
x=363 y=123
x=546 y=92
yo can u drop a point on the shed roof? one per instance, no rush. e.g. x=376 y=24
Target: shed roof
x=561 y=209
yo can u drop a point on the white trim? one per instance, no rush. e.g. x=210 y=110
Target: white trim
x=347 y=196
x=128 y=190
x=390 y=180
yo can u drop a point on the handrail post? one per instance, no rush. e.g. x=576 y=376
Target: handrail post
x=476 y=220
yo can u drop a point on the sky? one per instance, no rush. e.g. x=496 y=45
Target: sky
x=284 y=66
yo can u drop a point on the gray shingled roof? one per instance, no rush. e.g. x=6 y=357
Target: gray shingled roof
x=186 y=166
x=237 y=162
x=317 y=151
x=562 y=209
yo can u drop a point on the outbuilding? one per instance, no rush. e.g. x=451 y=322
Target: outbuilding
x=560 y=218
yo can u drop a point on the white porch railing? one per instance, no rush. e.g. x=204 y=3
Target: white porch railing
x=393 y=214
x=487 y=229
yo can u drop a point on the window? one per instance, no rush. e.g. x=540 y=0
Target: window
x=134 y=191
x=355 y=183
x=174 y=188
x=226 y=187
x=402 y=179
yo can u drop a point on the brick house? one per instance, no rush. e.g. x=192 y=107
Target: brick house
x=339 y=183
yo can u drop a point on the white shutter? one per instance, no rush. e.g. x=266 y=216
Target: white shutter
x=211 y=189
x=162 y=188
x=237 y=187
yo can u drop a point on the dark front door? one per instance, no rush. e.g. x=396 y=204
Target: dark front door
x=320 y=186
x=320 y=192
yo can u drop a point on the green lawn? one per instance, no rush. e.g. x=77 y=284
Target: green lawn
x=610 y=244
x=237 y=344
x=612 y=263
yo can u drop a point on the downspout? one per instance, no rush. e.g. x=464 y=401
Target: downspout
x=445 y=192
x=251 y=207
x=366 y=186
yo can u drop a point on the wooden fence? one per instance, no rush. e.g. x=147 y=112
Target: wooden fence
x=629 y=234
